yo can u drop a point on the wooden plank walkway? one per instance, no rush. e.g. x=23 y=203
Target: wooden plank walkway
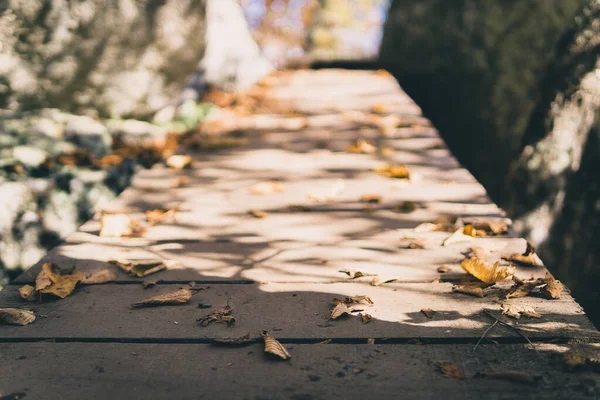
x=281 y=273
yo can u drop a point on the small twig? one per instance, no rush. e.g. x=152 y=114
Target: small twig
x=484 y=333
x=519 y=332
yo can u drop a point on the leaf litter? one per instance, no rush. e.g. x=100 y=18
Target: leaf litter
x=529 y=257
x=139 y=268
x=220 y=315
x=348 y=305
x=51 y=280
x=97 y=278
x=15 y=316
x=177 y=297
x=272 y=346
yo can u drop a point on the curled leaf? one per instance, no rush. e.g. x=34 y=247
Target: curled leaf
x=371 y=341
x=470 y=231
x=220 y=315
x=14 y=316
x=376 y=281
x=394 y=171
x=523 y=288
x=553 y=288
x=485 y=271
x=258 y=213
x=51 y=281
x=529 y=257
x=99 y=277
x=428 y=312
x=27 y=292
x=267 y=187
x=451 y=370
x=354 y=300
x=272 y=346
x=139 y=268
x=180 y=296
x=366 y=318
x=339 y=309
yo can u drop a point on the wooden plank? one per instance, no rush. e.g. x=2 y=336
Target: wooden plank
x=296 y=310
x=191 y=371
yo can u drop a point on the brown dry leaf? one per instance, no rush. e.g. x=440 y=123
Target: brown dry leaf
x=258 y=213
x=451 y=370
x=338 y=310
x=371 y=198
x=485 y=271
x=471 y=290
x=354 y=300
x=155 y=216
x=179 y=161
x=51 y=281
x=477 y=252
x=514 y=376
x=27 y=292
x=490 y=227
x=117 y=225
x=457 y=237
x=429 y=313
x=442 y=269
x=354 y=274
x=470 y=231
x=576 y=362
x=139 y=268
x=366 y=318
x=14 y=316
x=376 y=281
x=361 y=147
x=99 y=277
x=407 y=206
x=553 y=288
x=267 y=187
x=220 y=315
x=529 y=257
x=522 y=288
x=239 y=341
x=272 y=346
x=180 y=181
x=400 y=171
x=516 y=312
x=180 y=296
x=371 y=340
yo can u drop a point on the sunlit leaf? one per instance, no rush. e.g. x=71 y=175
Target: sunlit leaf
x=485 y=271
x=553 y=288
x=220 y=315
x=400 y=171
x=51 y=281
x=139 y=268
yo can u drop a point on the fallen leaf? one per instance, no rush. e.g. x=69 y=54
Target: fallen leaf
x=522 y=288
x=272 y=346
x=99 y=277
x=485 y=271
x=51 y=281
x=179 y=161
x=354 y=300
x=371 y=340
x=157 y=215
x=14 y=316
x=457 y=237
x=139 y=268
x=338 y=310
x=267 y=187
x=376 y=281
x=514 y=376
x=515 y=311
x=576 y=362
x=490 y=227
x=407 y=206
x=366 y=318
x=417 y=244
x=394 y=171
x=470 y=231
x=116 y=225
x=371 y=198
x=239 y=341
x=220 y=315
x=450 y=370
x=471 y=290
x=529 y=257
x=354 y=274
x=258 y=213
x=180 y=296
x=477 y=252
x=27 y=292
x=429 y=313
x=361 y=147
x=442 y=269
x=553 y=288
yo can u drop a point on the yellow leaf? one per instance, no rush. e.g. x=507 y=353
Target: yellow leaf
x=139 y=268
x=272 y=346
x=51 y=281
x=485 y=271
x=394 y=171
x=181 y=296
x=362 y=147
x=267 y=187
x=179 y=161
x=470 y=231
x=99 y=277
x=258 y=213
x=14 y=316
